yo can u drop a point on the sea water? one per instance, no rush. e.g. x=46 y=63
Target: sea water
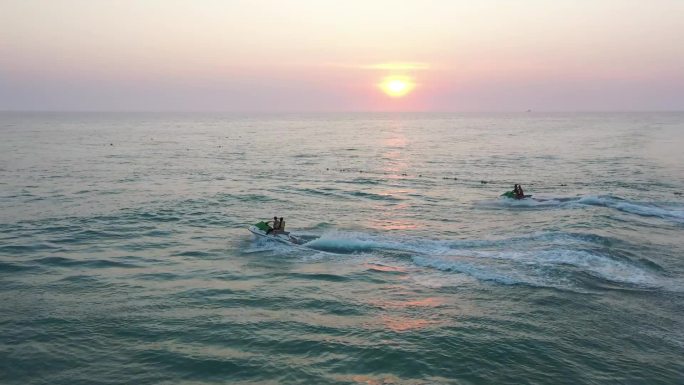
x=125 y=256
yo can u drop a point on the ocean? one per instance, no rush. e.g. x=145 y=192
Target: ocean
x=125 y=256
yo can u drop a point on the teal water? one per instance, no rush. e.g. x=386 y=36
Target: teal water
x=125 y=259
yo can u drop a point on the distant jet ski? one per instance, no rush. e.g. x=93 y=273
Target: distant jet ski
x=511 y=195
x=262 y=228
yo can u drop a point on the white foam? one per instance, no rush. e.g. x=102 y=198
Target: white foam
x=540 y=267
x=662 y=212
x=670 y=212
x=525 y=203
x=480 y=272
x=261 y=245
x=640 y=208
x=543 y=259
x=601 y=266
x=351 y=242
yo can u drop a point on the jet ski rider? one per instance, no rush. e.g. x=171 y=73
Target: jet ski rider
x=281 y=227
x=273 y=225
x=518 y=191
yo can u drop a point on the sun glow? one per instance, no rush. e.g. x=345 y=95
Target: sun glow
x=397 y=86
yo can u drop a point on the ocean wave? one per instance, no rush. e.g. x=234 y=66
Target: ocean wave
x=374 y=196
x=91 y=263
x=349 y=242
x=669 y=211
x=29 y=248
x=470 y=269
x=558 y=268
x=550 y=259
x=8 y=267
x=665 y=211
x=353 y=242
x=523 y=203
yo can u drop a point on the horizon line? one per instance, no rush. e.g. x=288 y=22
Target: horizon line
x=334 y=111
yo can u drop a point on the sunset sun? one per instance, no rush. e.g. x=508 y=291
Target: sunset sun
x=397 y=86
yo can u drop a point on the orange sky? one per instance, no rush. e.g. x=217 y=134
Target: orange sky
x=331 y=56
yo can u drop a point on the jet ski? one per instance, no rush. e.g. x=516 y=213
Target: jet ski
x=262 y=228
x=511 y=195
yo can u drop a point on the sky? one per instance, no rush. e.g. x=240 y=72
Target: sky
x=300 y=56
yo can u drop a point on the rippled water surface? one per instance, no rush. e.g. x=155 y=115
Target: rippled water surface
x=124 y=254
